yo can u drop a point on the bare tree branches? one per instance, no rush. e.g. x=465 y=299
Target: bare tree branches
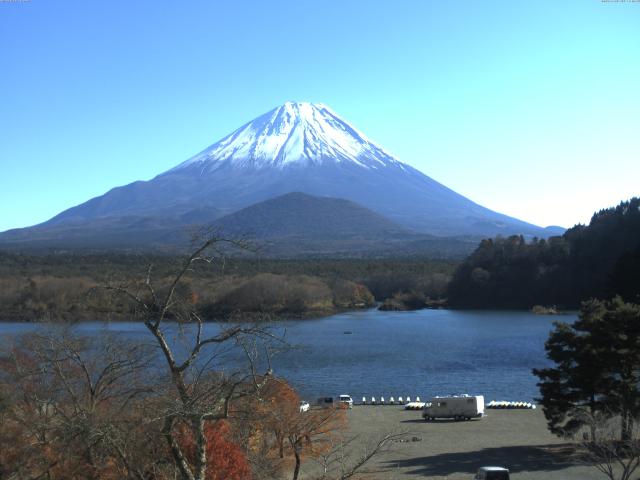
x=601 y=446
x=201 y=398
x=72 y=404
x=348 y=457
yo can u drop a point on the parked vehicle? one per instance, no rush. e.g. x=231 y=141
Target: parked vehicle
x=492 y=473
x=304 y=406
x=326 y=401
x=457 y=407
x=346 y=400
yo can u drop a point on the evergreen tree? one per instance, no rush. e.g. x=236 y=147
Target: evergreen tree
x=597 y=368
x=575 y=384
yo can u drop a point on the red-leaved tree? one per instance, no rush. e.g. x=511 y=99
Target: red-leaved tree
x=225 y=459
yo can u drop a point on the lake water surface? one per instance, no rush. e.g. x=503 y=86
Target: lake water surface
x=426 y=352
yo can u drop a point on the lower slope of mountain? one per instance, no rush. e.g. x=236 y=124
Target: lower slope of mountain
x=291 y=225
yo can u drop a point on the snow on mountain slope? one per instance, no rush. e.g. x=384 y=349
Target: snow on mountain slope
x=292 y=134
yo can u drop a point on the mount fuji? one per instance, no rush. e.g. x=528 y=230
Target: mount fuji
x=297 y=147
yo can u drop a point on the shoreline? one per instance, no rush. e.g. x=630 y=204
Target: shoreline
x=249 y=316
x=272 y=317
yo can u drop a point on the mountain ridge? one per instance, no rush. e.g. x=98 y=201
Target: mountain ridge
x=294 y=225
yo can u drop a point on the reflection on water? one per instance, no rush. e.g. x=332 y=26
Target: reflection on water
x=427 y=352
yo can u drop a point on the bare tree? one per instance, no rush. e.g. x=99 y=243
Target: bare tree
x=602 y=447
x=75 y=400
x=347 y=457
x=202 y=389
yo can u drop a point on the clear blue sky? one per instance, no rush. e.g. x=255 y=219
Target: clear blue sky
x=529 y=108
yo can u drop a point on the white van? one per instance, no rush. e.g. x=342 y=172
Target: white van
x=457 y=407
x=342 y=401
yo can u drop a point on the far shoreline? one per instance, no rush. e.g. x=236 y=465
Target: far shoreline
x=270 y=317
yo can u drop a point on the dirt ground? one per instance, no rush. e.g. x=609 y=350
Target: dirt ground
x=515 y=439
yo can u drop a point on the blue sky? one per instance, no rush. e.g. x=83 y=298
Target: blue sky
x=528 y=108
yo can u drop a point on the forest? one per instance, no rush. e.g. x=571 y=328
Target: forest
x=71 y=287
x=599 y=260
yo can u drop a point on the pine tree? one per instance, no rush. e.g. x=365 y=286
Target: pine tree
x=597 y=368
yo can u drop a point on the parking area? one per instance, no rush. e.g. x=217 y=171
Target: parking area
x=516 y=439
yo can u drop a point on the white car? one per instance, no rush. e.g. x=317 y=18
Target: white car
x=492 y=473
x=346 y=400
x=304 y=406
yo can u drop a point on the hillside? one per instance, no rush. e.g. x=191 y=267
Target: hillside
x=595 y=261
x=304 y=216
x=298 y=225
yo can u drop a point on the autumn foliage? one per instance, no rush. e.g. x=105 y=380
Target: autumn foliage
x=225 y=459
x=67 y=414
x=298 y=435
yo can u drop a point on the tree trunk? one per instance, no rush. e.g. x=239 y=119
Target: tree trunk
x=296 y=470
x=280 y=441
x=592 y=423
x=176 y=451
x=201 y=448
x=626 y=426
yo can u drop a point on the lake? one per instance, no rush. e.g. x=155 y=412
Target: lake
x=425 y=352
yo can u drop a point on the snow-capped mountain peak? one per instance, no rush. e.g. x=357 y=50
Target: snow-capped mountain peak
x=298 y=147
x=296 y=133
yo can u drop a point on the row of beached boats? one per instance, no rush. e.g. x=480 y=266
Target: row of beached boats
x=510 y=405
x=418 y=405
x=391 y=401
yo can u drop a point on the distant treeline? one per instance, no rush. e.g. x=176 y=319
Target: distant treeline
x=70 y=286
x=595 y=261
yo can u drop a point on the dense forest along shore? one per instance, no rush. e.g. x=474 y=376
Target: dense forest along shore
x=71 y=287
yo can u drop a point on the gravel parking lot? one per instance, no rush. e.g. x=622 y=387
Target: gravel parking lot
x=516 y=439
